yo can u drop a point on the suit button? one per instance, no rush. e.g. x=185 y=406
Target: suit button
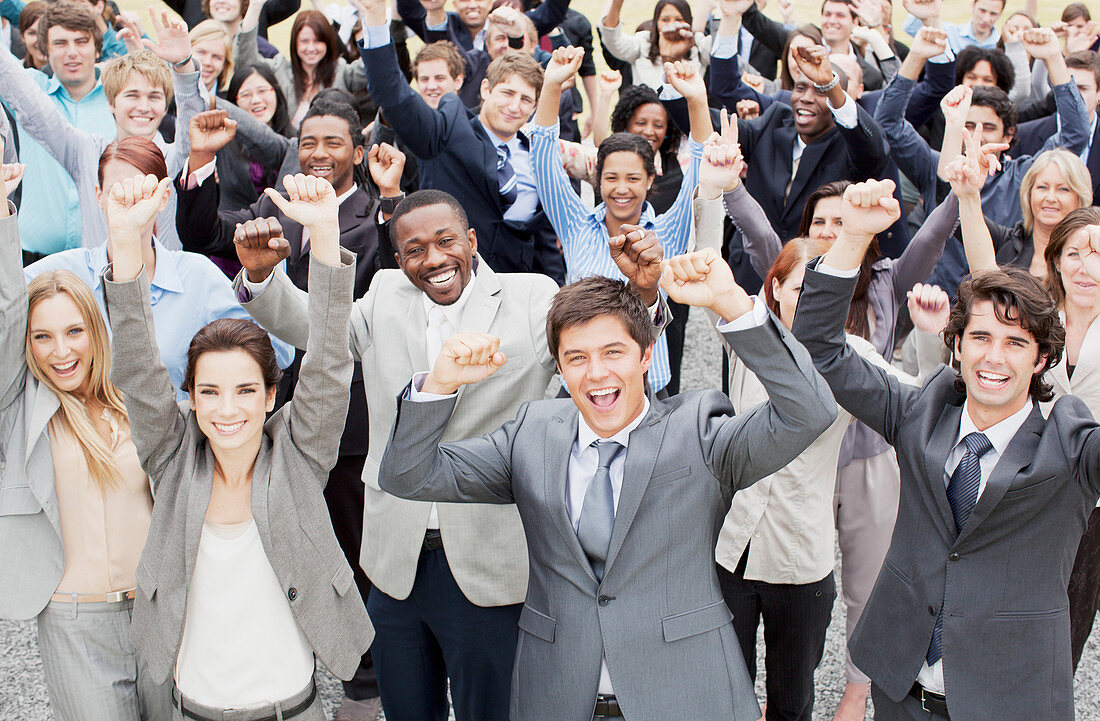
x=931 y=610
x=292 y=593
x=603 y=600
x=953 y=557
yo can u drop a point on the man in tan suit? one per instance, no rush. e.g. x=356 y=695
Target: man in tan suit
x=449 y=578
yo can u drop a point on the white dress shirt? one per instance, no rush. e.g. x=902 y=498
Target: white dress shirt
x=999 y=434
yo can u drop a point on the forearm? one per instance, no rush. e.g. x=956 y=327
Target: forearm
x=611 y=17
x=281 y=308
x=758 y=235
x=925 y=248
x=699 y=118
x=246 y=53
x=977 y=242
x=549 y=100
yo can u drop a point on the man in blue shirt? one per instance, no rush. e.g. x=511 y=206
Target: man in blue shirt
x=981 y=30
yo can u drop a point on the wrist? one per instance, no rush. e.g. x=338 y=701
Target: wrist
x=708 y=191
x=258 y=275
x=648 y=295
x=731 y=305
x=433 y=386
x=198 y=159
x=184 y=66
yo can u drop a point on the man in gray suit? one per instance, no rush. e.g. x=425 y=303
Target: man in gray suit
x=969 y=615
x=448 y=578
x=621 y=496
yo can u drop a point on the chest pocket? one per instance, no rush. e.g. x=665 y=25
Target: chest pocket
x=18 y=501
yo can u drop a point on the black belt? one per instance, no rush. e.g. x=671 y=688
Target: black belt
x=190 y=713
x=433 y=540
x=607 y=706
x=929 y=700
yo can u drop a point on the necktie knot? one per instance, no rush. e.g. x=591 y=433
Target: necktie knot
x=977 y=443
x=503 y=153
x=607 y=451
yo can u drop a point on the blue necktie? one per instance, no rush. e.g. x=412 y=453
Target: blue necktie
x=506 y=177
x=962 y=494
x=598 y=510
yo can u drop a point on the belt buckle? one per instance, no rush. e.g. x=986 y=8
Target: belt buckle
x=115 y=597
x=925 y=698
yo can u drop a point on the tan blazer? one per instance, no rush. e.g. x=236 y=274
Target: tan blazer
x=298 y=449
x=485 y=544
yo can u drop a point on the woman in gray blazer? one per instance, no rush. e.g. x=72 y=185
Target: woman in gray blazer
x=75 y=505
x=242 y=584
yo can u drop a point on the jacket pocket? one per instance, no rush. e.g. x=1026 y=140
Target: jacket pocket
x=668 y=476
x=18 y=501
x=692 y=623
x=1042 y=486
x=343 y=578
x=1028 y=615
x=537 y=624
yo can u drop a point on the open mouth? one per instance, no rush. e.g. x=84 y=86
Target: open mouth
x=603 y=397
x=64 y=370
x=320 y=171
x=622 y=202
x=442 y=279
x=227 y=429
x=991 y=381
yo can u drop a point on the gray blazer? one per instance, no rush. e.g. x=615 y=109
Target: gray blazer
x=33 y=557
x=299 y=447
x=485 y=543
x=659 y=613
x=1002 y=581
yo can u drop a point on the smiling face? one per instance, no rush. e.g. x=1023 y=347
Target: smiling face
x=139 y=107
x=473 y=13
x=225 y=11
x=836 y=22
x=326 y=150
x=229 y=399
x=310 y=48
x=257 y=96
x=826 y=222
x=1081 y=290
x=812 y=117
x=996 y=361
x=435 y=252
x=1051 y=198
x=60 y=343
x=985 y=16
x=604 y=368
x=211 y=56
x=669 y=16
x=651 y=122
x=980 y=75
x=433 y=80
x=72 y=55
x=624 y=185
x=507 y=106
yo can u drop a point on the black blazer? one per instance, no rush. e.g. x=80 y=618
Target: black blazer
x=456 y=155
x=273 y=13
x=204 y=229
x=1031 y=135
x=545 y=17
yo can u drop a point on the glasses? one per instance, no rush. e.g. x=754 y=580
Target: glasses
x=247 y=96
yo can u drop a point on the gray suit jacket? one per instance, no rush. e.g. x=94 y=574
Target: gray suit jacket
x=299 y=447
x=658 y=613
x=485 y=543
x=1002 y=581
x=33 y=558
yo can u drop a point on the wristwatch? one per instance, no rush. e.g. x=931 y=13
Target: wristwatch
x=823 y=89
x=389 y=205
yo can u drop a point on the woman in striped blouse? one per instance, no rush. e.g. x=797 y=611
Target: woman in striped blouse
x=625 y=174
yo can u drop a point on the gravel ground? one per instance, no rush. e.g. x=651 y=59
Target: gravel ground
x=23 y=692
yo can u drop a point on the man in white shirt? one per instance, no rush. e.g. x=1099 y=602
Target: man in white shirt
x=621 y=496
x=969 y=616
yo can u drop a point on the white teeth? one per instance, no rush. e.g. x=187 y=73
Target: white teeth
x=66 y=367
x=229 y=428
x=994 y=377
x=443 y=277
x=604 y=391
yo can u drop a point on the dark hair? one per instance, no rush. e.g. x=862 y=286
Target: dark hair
x=1074 y=221
x=1020 y=299
x=31 y=13
x=280 y=121
x=655 y=32
x=997 y=100
x=635 y=96
x=594 y=297
x=851 y=8
x=1085 y=60
x=230 y=334
x=967 y=58
x=77 y=17
x=858 y=310
x=1073 y=11
x=206 y=7
x=141 y=153
x=423 y=198
x=813 y=32
x=338 y=104
x=1022 y=13
x=625 y=143
x=326 y=69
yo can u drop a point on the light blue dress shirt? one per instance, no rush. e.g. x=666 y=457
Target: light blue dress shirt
x=958 y=36
x=187 y=292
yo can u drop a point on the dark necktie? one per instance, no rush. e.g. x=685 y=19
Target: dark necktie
x=962 y=494
x=506 y=177
x=598 y=510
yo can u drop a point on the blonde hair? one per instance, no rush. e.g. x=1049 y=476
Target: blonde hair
x=117 y=73
x=213 y=30
x=98 y=452
x=1073 y=170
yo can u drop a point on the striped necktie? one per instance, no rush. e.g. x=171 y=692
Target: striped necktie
x=506 y=177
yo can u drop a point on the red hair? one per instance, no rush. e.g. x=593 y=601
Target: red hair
x=797 y=251
x=141 y=153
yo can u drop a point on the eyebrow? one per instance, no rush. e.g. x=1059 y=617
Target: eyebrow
x=47 y=330
x=215 y=385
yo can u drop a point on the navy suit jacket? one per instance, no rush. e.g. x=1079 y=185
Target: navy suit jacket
x=457 y=156
x=1031 y=135
x=546 y=17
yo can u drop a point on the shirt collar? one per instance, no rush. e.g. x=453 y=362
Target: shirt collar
x=1000 y=433
x=346 y=194
x=54 y=87
x=648 y=219
x=453 y=312
x=586 y=436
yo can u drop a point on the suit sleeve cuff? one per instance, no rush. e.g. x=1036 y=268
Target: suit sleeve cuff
x=416 y=395
x=376 y=36
x=753 y=319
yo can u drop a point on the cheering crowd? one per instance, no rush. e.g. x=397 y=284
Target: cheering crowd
x=367 y=354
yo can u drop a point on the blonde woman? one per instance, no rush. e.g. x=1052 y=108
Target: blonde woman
x=212 y=48
x=75 y=505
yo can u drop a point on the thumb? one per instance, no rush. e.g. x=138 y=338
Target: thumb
x=280 y=202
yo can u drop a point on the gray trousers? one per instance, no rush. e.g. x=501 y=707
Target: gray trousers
x=314 y=712
x=92 y=671
x=908 y=710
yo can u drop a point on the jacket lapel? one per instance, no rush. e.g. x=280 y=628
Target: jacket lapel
x=561 y=434
x=641 y=456
x=198 y=498
x=811 y=157
x=939 y=445
x=489 y=162
x=1020 y=452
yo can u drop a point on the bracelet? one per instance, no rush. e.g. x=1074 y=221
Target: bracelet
x=389 y=205
x=823 y=89
x=185 y=61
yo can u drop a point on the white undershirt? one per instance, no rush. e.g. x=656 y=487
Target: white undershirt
x=241 y=646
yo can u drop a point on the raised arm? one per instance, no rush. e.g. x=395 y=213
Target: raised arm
x=201 y=228
x=13 y=293
x=257 y=139
x=925 y=248
x=909 y=150
x=967 y=174
x=1073 y=133
x=606 y=87
x=799 y=406
x=548 y=15
x=769 y=33
x=156 y=421
x=625 y=46
x=687 y=79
